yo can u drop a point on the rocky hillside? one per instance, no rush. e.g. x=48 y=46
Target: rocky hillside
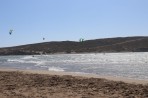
x=120 y=44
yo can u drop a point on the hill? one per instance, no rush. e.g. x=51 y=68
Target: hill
x=119 y=44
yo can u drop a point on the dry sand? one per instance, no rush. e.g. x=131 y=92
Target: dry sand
x=43 y=84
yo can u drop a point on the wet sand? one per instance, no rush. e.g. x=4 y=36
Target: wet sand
x=42 y=84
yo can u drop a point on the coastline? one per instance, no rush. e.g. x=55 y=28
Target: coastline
x=16 y=83
x=84 y=75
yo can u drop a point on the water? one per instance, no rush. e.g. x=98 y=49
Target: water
x=129 y=65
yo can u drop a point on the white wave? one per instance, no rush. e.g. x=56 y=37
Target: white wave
x=40 y=63
x=24 y=61
x=11 y=60
x=15 y=60
x=55 y=69
x=28 y=57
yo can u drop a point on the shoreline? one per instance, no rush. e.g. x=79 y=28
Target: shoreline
x=84 y=75
x=16 y=83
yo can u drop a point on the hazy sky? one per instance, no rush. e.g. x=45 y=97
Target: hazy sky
x=60 y=20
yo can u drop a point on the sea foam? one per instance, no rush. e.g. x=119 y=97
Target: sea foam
x=55 y=69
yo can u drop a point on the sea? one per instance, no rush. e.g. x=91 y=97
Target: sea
x=132 y=65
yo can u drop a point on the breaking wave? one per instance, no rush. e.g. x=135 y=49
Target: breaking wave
x=55 y=69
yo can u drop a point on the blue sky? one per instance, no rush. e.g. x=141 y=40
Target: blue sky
x=60 y=20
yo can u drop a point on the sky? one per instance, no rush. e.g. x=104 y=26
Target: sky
x=62 y=20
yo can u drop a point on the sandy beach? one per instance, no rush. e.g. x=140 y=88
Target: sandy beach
x=44 y=84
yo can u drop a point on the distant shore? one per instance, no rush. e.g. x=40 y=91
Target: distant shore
x=36 y=84
x=109 y=45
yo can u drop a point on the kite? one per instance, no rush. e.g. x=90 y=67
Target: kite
x=10 y=32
